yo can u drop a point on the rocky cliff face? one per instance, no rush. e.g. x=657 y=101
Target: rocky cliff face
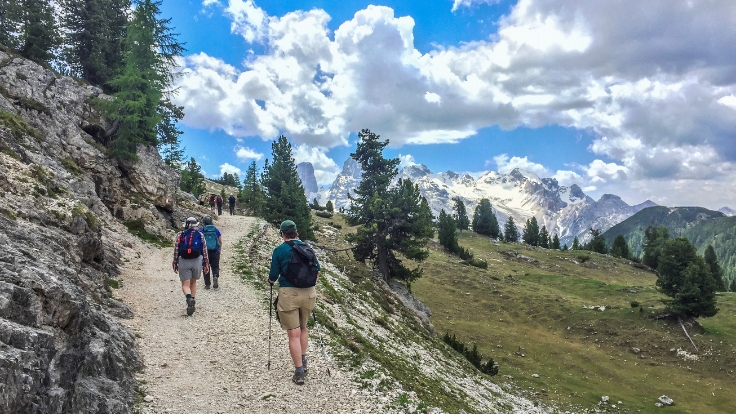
x=305 y=170
x=62 y=201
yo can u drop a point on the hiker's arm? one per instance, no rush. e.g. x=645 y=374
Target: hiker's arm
x=175 y=263
x=205 y=255
x=275 y=270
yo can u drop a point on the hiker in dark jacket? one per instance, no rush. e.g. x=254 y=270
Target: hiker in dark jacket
x=294 y=304
x=231 y=203
x=212 y=200
x=190 y=257
x=219 y=202
x=213 y=237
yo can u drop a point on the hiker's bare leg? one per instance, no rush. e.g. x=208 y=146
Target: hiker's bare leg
x=193 y=286
x=185 y=287
x=295 y=346
x=304 y=339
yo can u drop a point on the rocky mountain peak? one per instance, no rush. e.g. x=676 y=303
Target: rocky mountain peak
x=305 y=170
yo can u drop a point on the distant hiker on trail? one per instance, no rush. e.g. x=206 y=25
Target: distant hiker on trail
x=231 y=203
x=219 y=202
x=213 y=203
x=213 y=237
x=190 y=257
x=201 y=199
x=295 y=266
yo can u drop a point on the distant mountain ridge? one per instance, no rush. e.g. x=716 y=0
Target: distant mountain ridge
x=566 y=211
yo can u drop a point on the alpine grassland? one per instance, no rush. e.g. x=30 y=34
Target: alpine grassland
x=571 y=327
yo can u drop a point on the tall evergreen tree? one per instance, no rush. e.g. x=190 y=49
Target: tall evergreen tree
x=329 y=206
x=11 y=17
x=285 y=198
x=575 y=243
x=544 y=238
x=148 y=61
x=510 y=232
x=484 y=220
x=38 y=33
x=252 y=193
x=684 y=276
x=192 y=179
x=654 y=240
x=732 y=288
x=447 y=233
x=461 y=215
x=531 y=232
x=168 y=133
x=620 y=248
x=715 y=269
x=93 y=42
x=597 y=242
x=396 y=220
x=556 y=242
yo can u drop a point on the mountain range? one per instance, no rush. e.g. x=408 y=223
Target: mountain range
x=565 y=211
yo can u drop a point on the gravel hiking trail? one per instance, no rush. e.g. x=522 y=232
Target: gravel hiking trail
x=215 y=360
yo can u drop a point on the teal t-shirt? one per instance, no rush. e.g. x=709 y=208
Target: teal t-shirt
x=280 y=262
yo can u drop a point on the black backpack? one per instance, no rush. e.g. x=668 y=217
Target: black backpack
x=302 y=270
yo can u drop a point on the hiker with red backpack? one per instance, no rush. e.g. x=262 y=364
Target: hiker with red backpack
x=295 y=266
x=213 y=238
x=190 y=257
x=219 y=202
x=212 y=200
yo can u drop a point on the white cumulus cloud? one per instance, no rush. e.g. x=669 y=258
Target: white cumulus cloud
x=247 y=154
x=231 y=169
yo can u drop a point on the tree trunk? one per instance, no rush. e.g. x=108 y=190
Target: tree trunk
x=383 y=262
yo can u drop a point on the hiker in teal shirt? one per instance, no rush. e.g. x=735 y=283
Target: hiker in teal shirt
x=294 y=304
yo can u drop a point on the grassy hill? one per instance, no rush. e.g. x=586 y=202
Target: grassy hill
x=701 y=226
x=528 y=311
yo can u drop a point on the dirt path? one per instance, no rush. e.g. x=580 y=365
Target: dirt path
x=215 y=360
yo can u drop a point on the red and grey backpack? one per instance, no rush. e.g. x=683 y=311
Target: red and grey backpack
x=190 y=244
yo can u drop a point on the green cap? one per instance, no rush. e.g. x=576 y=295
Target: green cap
x=288 y=225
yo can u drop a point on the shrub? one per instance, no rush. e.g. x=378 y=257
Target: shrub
x=582 y=258
x=324 y=214
x=335 y=225
x=634 y=304
x=490 y=367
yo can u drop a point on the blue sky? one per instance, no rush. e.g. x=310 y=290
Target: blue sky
x=618 y=96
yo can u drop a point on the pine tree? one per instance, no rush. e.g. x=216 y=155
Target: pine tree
x=447 y=233
x=396 y=220
x=654 y=240
x=511 y=233
x=565 y=248
x=192 y=179
x=150 y=54
x=620 y=248
x=685 y=277
x=715 y=269
x=285 y=198
x=252 y=195
x=329 y=206
x=556 y=242
x=597 y=242
x=38 y=33
x=733 y=285
x=94 y=34
x=484 y=220
x=531 y=232
x=461 y=215
x=168 y=133
x=544 y=238
x=575 y=244
x=11 y=12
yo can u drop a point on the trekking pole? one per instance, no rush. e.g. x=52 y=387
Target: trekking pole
x=270 y=313
x=321 y=343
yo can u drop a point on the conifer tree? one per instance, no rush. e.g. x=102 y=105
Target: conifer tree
x=654 y=240
x=148 y=61
x=620 y=248
x=329 y=206
x=511 y=233
x=461 y=215
x=10 y=20
x=38 y=33
x=531 y=232
x=565 y=248
x=93 y=42
x=715 y=269
x=597 y=242
x=544 y=238
x=575 y=244
x=168 y=133
x=192 y=179
x=484 y=220
x=685 y=277
x=252 y=193
x=285 y=198
x=447 y=233
x=733 y=285
x=396 y=220
x=556 y=242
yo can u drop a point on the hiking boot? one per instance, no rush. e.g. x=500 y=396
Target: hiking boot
x=298 y=377
x=206 y=286
x=214 y=282
x=190 y=306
